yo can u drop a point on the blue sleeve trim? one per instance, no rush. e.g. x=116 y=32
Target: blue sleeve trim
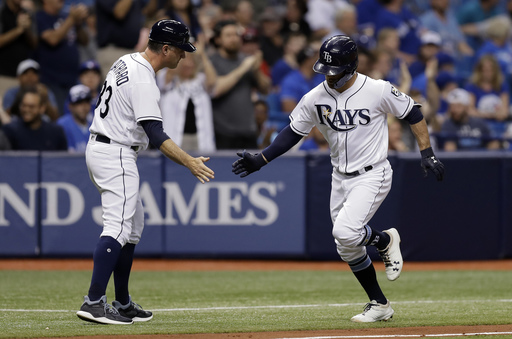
x=155 y=132
x=414 y=116
x=285 y=140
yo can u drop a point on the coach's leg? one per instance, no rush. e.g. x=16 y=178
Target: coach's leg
x=105 y=258
x=124 y=264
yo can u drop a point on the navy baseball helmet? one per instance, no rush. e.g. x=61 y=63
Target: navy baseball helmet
x=173 y=33
x=338 y=54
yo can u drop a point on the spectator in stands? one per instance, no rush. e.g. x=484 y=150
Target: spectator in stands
x=365 y=61
x=118 y=24
x=271 y=41
x=388 y=51
x=489 y=94
x=346 y=24
x=90 y=76
x=57 y=52
x=462 y=131
x=182 y=11
x=300 y=81
x=4 y=119
x=18 y=39
x=395 y=132
x=430 y=47
x=314 y=142
x=244 y=14
x=31 y=131
x=498 y=44
x=441 y=19
x=238 y=76
x=76 y=124
x=473 y=13
x=321 y=16
x=185 y=101
x=266 y=130
x=293 y=44
x=28 y=77
x=293 y=20
x=446 y=82
x=208 y=15
x=393 y=14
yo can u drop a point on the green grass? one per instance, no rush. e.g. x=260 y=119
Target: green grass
x=432 y=298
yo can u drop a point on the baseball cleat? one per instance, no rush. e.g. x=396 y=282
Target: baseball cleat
x=133 y=311
x=373 y=312
x=102 y=313
x=392 y=256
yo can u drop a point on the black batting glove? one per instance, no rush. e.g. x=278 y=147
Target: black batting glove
x=248 y=163
x=429 y=162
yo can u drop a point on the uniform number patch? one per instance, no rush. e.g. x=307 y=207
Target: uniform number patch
x=395 y=92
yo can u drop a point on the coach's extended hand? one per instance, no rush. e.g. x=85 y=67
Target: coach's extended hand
x=248 y=163
x=430 y=162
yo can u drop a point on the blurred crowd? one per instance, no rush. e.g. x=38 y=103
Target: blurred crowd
x=253 y=65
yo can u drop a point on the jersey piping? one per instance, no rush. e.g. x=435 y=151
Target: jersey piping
x=346 y=134
x=124 y=192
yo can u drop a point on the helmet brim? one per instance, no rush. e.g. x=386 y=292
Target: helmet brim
x=188 y=47
x=327 y=70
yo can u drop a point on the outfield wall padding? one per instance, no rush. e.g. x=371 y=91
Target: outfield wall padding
x=50 y=208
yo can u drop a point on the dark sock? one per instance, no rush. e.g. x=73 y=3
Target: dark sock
x=368 y=280
x=122 y=273
x=378 y=239
x=105 y=258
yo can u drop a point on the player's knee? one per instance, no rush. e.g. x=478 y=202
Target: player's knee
x=345 y=236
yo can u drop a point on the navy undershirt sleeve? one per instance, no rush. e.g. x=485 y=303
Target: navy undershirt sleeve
x=414 y=115
x=285 y=140
x=155 y=132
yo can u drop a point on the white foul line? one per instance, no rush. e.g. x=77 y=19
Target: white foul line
x=229 y=308
x=401 y=335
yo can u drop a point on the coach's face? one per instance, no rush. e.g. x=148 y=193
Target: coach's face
x=172 y=55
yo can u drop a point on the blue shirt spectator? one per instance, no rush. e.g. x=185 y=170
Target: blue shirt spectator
x=474 y=12
x=57 y=51
x=295 y=85
x=407 y=25
x=114 y=28
x=442 y=20
x=76 y=125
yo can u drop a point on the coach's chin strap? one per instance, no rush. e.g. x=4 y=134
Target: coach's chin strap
x=343 y=80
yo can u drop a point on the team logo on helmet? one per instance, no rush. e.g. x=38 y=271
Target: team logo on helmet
x=327 y=57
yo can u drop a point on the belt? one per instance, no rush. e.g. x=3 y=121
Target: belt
x=359 y=172
x=106 y=140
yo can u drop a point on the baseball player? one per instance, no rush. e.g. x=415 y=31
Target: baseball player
x=126 y=117
x=350 y=109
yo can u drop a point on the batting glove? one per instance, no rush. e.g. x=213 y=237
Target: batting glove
x=248 y=163
x=430 y=162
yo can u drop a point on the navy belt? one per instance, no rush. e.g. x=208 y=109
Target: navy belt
x=356 y=173
x=106 y=140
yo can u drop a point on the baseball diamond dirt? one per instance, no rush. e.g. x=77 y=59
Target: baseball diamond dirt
x=255 y=265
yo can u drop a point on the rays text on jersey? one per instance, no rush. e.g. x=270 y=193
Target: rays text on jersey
x=343 y=120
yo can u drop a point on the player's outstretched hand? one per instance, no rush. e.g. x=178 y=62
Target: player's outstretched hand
x=200 y=170
x=429 y=162
x=248 y=163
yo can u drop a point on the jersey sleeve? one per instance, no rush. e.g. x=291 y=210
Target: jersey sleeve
x=300 y=118
x=145 y=98
x=395 y=102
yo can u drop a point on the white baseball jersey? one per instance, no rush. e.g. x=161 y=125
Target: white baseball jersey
x=353 y=122
x=128 y=95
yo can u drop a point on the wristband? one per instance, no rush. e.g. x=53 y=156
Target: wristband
x=427 y=152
